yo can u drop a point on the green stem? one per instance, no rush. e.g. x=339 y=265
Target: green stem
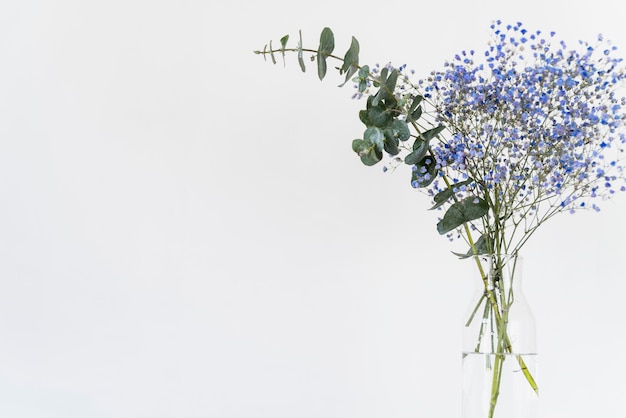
x=471 y=318
x=500 y=358
x=281 y=50
x=507 y=342
x=498 y=301
x=482 y=326
x=495 y=383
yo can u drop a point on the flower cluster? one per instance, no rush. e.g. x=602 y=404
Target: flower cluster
x=501 y=140
x=537 y=127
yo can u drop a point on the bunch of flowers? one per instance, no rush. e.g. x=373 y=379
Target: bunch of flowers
x=501 y=141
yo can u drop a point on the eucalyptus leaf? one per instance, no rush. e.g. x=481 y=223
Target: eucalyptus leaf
x=390 y=84
x=351 y=60
x=326 y=47
x=378 y=116
x=364 y=72
x=283 y=45
x=391 y=144
x=364 y=117
x=383 y=77
x=374 y=135
x=300 y=56
x=416 y=114
x=399 y=129
x=466 y=210
x=394 y=133
x=431 y=133
x=371 y=158
x=387 y=86
x=461 y=255
x=379 y=83
x=367 y=151
x=420 y=148
x=443 y=196
x=327 y=42
x=483 y=246
x=416 y=102
x=375 y=115
x=321 y=66
x=272 y=54
x=359 y=146
x=362 y=77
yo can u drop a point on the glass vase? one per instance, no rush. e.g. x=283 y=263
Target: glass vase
x=499 y=344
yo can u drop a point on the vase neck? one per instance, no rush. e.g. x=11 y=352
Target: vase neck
x=499 y=308
x=500 y=271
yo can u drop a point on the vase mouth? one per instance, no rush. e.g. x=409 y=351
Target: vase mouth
x=497 y=267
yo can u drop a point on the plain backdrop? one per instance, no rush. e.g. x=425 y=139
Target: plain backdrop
x=185 y=231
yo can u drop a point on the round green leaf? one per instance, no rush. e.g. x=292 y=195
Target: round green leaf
x=378 y=116
x=466 y=210
x=374 y=135
x=400 y=130
x=367 y=151
x=391 y=145
x=419 y=152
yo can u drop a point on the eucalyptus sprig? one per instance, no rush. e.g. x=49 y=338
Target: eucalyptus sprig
x=394 y=123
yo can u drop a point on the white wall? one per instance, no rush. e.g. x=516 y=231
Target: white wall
x=185 y=231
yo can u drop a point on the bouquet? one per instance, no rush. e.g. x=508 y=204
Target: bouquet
x=500 y=141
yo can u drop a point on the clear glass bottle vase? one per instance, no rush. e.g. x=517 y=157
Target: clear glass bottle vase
x=499 y=344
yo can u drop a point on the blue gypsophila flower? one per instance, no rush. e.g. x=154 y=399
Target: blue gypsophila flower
x=537 y=125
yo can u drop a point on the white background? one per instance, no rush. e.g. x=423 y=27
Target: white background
x=185 y=231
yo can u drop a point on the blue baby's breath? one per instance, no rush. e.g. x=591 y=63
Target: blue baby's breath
x=537 y=124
